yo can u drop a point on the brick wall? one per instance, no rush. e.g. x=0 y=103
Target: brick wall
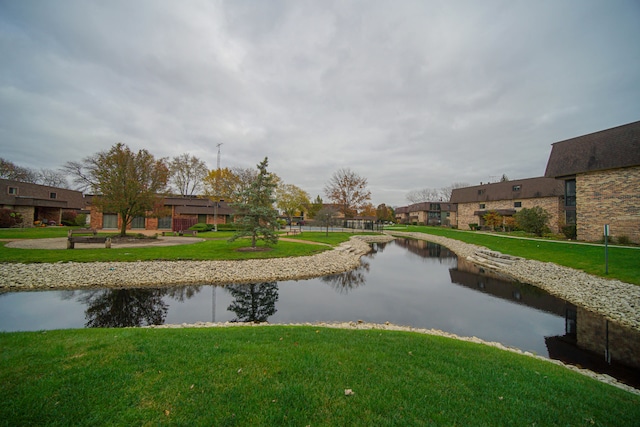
x=27 y=213
x=553 y=205
x=608 y=197
x=624 y=345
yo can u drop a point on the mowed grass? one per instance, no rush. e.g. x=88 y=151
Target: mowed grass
x=624 y=263
x=280 y=375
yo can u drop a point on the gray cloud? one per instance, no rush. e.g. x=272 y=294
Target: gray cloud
x=409 y=94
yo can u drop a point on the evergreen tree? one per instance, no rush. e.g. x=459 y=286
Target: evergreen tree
x=258 y=218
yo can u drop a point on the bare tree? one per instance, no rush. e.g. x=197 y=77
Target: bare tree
x=348 y=190
x=423 y=195
x=187 y=174
x=325 y=217
x=52 y=178
x=9 y=170
x=445 y=192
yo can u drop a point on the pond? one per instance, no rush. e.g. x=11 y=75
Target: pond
x=405 y=282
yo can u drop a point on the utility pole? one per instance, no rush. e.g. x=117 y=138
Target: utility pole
x=215 y=227
x=216 y=189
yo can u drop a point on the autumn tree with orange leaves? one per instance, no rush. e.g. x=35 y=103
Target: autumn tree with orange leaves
x=348 y=190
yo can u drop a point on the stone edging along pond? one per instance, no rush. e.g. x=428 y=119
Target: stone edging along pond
x=613 y=299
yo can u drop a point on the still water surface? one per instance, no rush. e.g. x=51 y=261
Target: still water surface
x=405 y=282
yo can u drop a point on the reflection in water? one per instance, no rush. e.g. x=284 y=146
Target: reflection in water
x=119 y=308
x=590 y=340
x=424 y=249
x=254 y=302
x=349 y=280
x=472 y=277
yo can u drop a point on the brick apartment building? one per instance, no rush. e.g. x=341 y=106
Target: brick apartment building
x=507 y=198
x=431 y=213
x=39 y=202
x=601 y=176
x=177 y=213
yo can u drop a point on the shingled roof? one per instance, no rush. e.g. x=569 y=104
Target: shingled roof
x=509 y=190
x=613 y=148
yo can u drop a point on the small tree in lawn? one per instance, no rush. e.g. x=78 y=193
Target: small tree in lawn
x=534 y=220
x=325 y=217
x=493 y=219
x=258 y=218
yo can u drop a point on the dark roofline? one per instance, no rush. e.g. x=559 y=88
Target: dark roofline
x=530 y=188
x=614 y=148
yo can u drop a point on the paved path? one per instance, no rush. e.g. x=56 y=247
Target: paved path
x=61 y=243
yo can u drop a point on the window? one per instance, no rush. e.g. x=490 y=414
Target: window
x=164 y=222
x=481 y=191
x=517 y=204
x=434 y=206
x=137 y=222
x=482 y=205
x=570 y=192
x=516 y=188
x=571 y=217
x=13 y=191
x=53 y=195
x=110 y=221
x=202 y=218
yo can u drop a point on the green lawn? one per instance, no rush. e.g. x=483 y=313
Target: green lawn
x=624 y=263
x=279 y=375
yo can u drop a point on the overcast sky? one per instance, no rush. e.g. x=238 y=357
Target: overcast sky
x=408 y=94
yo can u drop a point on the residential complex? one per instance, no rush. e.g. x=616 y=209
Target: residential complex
x=590 y=181
x=507 y=198
x=38 y=204
x=601 y=177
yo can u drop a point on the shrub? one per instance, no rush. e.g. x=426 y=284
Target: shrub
x=534 y=220
x=493 y=219
x=201 y=226
x=623 y=240
x=473 y=226
x=227 y=227
x=9 y=218
x=81 y=220
x=570 y=232
x=69 y=218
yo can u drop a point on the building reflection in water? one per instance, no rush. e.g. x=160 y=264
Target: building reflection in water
x=590 y=340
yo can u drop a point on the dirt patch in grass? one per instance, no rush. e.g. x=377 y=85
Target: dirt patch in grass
x=256 y=249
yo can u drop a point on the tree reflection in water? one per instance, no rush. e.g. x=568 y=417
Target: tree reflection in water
x=254 y=302
x=349 y=280
x=119 y=308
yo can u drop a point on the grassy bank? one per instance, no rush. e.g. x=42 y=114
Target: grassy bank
x=278 y=375
x=624 y=263
x=215 y=247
